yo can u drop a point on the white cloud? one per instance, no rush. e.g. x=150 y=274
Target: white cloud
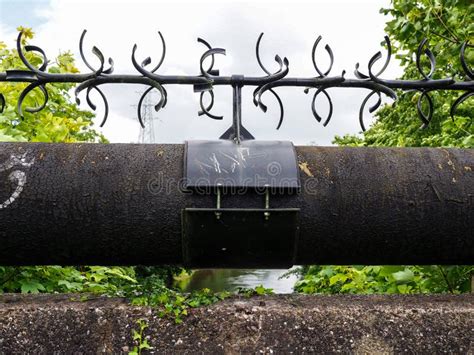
x=353 y=29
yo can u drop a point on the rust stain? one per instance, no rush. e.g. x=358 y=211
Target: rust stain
x=305 y=168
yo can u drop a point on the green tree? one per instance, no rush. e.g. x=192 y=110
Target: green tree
x=60 y=121
x=447 y=24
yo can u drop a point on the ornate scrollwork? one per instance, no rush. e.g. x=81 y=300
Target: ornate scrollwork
x=208 y=77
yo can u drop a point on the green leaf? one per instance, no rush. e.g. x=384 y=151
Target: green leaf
x=31 y=287
x=4 y=137
x=337 y=278
x=145 y=345
x=403 y=276
x=136 y=335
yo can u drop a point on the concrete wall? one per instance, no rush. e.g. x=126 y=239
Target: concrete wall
x=48 y=324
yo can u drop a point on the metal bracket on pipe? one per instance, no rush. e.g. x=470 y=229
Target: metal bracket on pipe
x=249 y=165
x=267 y=210
x=240 y=237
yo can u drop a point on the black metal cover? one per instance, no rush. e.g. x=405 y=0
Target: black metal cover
x=239 y=238
x=250 y=164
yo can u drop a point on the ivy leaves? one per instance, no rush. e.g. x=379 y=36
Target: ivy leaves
x=390 y=279
x=87 y=279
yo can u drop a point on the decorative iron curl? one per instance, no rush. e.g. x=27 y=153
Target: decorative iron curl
x=313 y=57
x=25 y=93
x=98 y=54
x=210 y=71
x=96 y=51
x=280 y=103
x=38 y=77
x=29 y=48
x=469 y=74
x=280 y=73
x=38 y=71
x=375 y=78
x=372 y=61
x=424 y=94
x=272 y=78
x=97 y=72
x=2 y=103
x=322 y=89
x=372 y=108
x=154 y=84
x=424 y=86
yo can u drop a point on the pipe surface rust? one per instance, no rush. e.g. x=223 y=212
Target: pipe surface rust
x=121 y=204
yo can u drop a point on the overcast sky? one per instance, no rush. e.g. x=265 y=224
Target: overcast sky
x=354 y=30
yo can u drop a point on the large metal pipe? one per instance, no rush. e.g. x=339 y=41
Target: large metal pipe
x=116 y=204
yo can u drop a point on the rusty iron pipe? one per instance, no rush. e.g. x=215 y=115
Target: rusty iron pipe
x=120 y=204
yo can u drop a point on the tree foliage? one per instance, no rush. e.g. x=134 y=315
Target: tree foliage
x=447 y=24
x=60 y=121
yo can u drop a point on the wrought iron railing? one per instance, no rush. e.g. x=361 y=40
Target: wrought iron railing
x=38 y=77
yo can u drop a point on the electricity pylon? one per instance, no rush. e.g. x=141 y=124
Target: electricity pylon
x=147 y=134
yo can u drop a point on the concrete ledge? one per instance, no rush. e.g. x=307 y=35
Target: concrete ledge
x=47 y=324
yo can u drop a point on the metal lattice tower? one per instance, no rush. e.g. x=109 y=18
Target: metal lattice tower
x=147 y=134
